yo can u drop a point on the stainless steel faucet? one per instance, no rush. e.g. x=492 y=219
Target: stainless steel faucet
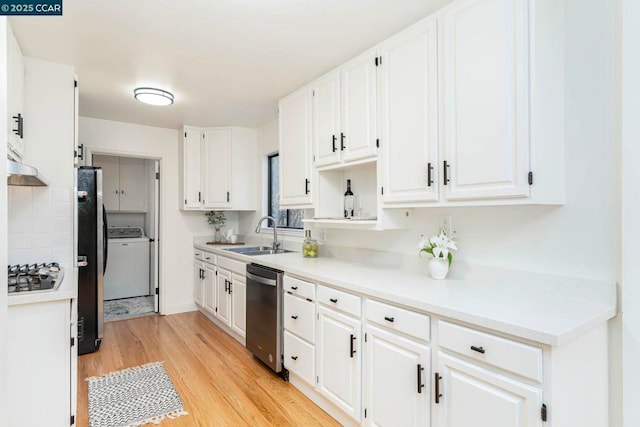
x=275 y=245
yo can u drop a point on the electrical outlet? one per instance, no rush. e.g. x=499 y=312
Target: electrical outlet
x=446 y=224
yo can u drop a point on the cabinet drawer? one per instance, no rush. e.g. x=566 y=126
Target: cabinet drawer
x=340 y=300
x=198 y=254
x=299 y=357
x=503 y=353
x=299 y=317
x=398 y=319
x=209 y=257
x=238 y=267
x=299 y=287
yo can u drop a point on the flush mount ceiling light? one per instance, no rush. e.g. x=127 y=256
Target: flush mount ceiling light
x=153 y=96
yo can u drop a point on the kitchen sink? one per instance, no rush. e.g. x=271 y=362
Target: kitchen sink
x=257 y=250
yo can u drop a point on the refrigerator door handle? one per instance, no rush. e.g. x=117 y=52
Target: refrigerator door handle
x=105 y=246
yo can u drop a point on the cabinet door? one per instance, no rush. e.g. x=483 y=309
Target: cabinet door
x=110 y=180
x=223 y=300
x=15 y=93
x=408 y=115
x=326 y=120
x=239 y=304
x=198 y=283
x=339 y=360
x=209 y=284
x=191 y=164
x=216 y=168
x=39 y=329
x=397 y=380
x=475 y=396
x=485 y=99
x=358 y=107
x=132 y=185
x=295 y=150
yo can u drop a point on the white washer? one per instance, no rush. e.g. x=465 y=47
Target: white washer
x=127 y=273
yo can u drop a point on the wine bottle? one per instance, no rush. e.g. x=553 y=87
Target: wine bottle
x=348 y=201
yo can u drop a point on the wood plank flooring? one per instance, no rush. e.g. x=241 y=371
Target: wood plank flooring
x=220 y=382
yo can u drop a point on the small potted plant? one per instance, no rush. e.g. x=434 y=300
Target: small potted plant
x=217 y=219
x=440 y=248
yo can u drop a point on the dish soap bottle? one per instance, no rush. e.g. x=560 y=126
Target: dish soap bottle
x=348 y=201
x=309 y=246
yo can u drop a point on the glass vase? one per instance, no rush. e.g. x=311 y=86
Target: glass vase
x=217 y=236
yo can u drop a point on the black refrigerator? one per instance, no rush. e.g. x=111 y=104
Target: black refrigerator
x=92 y=258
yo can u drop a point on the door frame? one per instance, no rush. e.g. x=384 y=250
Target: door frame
x=88 y=160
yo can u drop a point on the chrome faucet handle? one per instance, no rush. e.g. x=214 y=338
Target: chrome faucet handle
x=276 y=245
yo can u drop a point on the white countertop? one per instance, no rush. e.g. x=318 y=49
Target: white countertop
x=543 y=308
x=66 y=290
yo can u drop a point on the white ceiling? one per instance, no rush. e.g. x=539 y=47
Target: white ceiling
x=227 y=61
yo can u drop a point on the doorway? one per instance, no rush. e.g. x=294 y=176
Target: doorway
x=131 y=195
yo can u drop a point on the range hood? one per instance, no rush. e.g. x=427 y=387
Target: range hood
x=19 y=174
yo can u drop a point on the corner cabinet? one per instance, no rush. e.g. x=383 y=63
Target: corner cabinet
x=218 y=168
x=295 y=182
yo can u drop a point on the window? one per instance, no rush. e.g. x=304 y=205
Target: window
x=286 y=218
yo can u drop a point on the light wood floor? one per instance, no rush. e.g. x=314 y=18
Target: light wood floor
x=220 y=382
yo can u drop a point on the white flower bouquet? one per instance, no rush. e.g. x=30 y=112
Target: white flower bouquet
x=440 y=246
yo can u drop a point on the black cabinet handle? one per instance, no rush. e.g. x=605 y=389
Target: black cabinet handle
x=295 y=288
x=389 y=319
x=199 y=196
x=446 y=172
x=342 y=137
x=294 y=317
x=334 y=139
x=333 y=300
x=227 y=196
x=429 y=178
x=19 y=122
x=201 y=273
x=226 y=285
x=478 y=349
x=351 y=349
x=420 y=385
x=294 y=357
x=230 y=288
x=306 y=186
x=437 y=394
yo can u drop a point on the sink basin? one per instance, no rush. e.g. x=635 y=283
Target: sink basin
x=257 y=250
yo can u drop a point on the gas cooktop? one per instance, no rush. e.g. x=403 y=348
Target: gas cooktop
x=34 y=277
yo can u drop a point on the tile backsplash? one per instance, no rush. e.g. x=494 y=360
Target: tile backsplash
x=40 y=225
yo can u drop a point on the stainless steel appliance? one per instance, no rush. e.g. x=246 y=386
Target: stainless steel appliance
x=264 y=314
x=34 y=277
x=92 y=258
x=24 y=175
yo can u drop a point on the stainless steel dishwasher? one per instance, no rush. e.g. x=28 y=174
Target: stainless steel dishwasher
x=264 y=314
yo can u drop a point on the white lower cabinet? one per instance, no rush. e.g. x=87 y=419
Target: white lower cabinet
x=223 y=298
x=397 y=378
x=238 y=293
x=198 y=282
x=472 y=395
x=220 y=292
x=299 y=357
x=40 y=355
x=339 y=360
x=299 y=321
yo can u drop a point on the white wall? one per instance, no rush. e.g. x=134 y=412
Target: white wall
x=177 y=228
x=631 y=211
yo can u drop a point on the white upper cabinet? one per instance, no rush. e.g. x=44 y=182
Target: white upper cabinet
x=326 y=119
x=218 y=168
x=295 y=150
x=484 y=66
x=191 y=168
x=409 y=114
x=358 y=107
x=15 y=97
x=123 y=183
x=216 y=154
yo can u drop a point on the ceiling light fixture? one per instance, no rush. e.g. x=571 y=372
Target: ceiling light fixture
x=153 y=96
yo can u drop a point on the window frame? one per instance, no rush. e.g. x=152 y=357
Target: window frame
x=270 y=196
